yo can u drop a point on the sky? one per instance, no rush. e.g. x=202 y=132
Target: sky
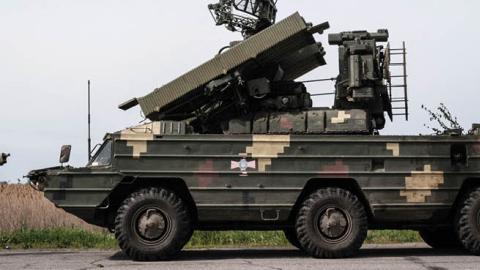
x=50 y=48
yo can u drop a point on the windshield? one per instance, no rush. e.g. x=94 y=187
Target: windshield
x=103 y=157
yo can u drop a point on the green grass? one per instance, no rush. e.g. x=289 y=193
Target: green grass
x=73 y=238
x=57 y=238
x=238 y=238
x=392 y=236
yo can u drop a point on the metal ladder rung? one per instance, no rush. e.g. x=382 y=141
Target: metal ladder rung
x=399 y=55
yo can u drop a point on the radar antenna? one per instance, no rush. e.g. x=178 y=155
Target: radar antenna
x=246 y=16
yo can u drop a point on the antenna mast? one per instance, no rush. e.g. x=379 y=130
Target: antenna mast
x=89 y=123
x=246 y=16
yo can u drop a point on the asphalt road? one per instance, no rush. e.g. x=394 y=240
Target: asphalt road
x=384 y=257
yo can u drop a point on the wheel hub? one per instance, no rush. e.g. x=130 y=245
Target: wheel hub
x=151 y=224
x=333 y=223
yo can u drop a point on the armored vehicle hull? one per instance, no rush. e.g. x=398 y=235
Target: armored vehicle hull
x=266 y=182
x=252 y=153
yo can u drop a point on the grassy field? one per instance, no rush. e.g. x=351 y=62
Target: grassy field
x=28 y=220
x=77 y=238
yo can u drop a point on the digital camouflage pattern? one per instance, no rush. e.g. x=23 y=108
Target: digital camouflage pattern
x=236 y=144
x=405 y=180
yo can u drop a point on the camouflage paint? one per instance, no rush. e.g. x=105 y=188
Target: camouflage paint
x=138 y=137
x=395 y=148
x=404 y=179
x=420 y=184
x=265 y=148
x=340 y=119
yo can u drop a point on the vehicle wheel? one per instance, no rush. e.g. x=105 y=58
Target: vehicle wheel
x=331 y=223
x=441 y=238
x=152 y=224
x=291 y=236
x=467 y=223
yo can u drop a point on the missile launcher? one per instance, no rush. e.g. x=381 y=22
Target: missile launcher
x=252 y=76
x=254 y=80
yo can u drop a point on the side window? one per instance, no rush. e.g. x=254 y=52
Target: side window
x=104 y=155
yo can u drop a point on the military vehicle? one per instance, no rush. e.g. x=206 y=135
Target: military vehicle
x=235 y=144
x=3 y=158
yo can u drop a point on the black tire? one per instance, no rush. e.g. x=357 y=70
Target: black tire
x=467 y=222
x=327 y=207
x=440 y=238
x=291 y=236
x=152 y=224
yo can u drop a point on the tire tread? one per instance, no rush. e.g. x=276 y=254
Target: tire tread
x=357 y=211
x=183 y=231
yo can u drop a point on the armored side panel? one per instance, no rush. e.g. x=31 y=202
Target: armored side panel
x=316 y=121
x=240 y=126
x=287 y=122
x=352 y=121
x=158 y=128
x=405 y=179
x=288 y=44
